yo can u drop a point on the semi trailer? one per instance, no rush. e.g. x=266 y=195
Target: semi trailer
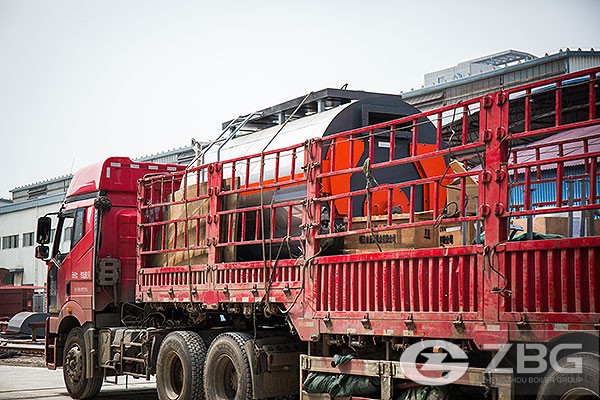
x=335 y=254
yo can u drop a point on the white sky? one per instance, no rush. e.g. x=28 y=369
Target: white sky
x=84 y=80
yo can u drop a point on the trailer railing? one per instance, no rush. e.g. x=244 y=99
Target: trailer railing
x=237 y=252
x=433 y=138
x=552 y=163
x=263 y=177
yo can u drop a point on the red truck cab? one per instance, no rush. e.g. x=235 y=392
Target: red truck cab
x=92 y=262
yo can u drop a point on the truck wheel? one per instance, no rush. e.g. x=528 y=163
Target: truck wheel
x=227 y=373
x=209 y=336
x=74 y=360
x=179 y=367
x=570 y=385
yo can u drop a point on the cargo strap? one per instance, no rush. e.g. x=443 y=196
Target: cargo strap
x=370 y=181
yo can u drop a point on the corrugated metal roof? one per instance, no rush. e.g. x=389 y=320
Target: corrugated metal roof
x=427 y=97
x=26 y=204
x=487 y=74
x=569 y=149
x=578 y=62
x=44 y=182
x=169 y=155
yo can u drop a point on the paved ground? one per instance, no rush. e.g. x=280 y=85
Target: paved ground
x=18 y=382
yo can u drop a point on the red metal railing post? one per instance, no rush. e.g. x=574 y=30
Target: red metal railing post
x=527 y=122
x=140 y=219
x=213 y=226
x=494 y=207
x=311 y=218
x=558 y=104
x=438 y=133
x=465 y=125
x=495 y=193
x=311 y=215
x=592 y=95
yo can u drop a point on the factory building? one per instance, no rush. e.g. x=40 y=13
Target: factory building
x=506 y=69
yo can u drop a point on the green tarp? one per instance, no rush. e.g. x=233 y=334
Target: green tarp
x=341 y=384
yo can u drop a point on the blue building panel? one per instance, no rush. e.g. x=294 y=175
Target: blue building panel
x=544 y=193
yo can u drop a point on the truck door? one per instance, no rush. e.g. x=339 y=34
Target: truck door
x=73 y=255
x=61 y=240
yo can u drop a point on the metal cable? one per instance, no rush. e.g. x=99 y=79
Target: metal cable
x=187 y=240
x=262 y=200
x=370 y=180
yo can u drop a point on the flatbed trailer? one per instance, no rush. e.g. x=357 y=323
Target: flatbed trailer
x=266 y=323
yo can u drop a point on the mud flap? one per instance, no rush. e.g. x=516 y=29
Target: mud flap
x=91 y=370
x=274 y=363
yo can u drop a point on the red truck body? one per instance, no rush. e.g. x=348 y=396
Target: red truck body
x=487 y=294
x=553 y=282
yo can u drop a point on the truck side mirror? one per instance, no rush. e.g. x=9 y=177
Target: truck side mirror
x=42 y=252
x=44 y=226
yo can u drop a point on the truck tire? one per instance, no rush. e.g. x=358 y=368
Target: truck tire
x=74 y=363
x=179 y=367
x=209 y=336
x=227 y=373
x=569 y=385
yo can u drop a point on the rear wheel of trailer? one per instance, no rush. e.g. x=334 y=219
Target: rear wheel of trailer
x=179 y=367
x=227 y=373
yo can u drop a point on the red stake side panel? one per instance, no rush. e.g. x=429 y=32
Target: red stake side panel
x=554 y=286
x=496 y=291
x=405 y=293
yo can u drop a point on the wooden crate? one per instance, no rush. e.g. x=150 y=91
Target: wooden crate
x=471 y=187
x=558 y=224
x=390 y=239
x=545 y=224
x=194 y=208
x=454 y=195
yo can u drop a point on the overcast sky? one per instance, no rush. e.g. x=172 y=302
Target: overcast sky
x=84 y=80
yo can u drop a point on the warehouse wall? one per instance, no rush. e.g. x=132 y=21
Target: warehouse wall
x=19 y=222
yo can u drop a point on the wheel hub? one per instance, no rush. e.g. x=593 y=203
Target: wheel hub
x=233 y=380
x=227 y=385
x=74 y=363
x=174 y=385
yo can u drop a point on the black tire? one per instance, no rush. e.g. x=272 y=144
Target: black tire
x=227 y=373
x=74 y=363
x=209 y=336
x=569 y=385
x=179 y=367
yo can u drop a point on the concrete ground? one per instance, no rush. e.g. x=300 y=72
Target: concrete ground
x=17 y=382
